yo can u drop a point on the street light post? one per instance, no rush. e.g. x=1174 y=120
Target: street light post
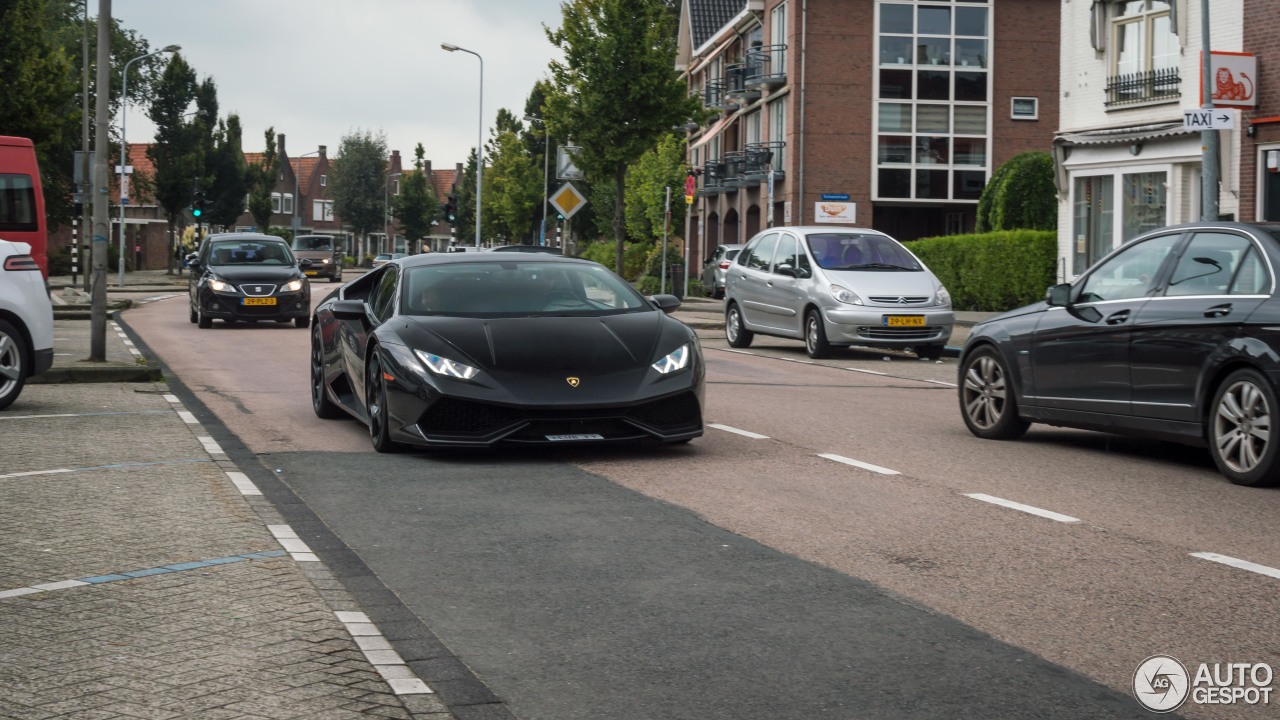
x=480 y=137
x=124 y=144
x=386 y=213
x=297 y=199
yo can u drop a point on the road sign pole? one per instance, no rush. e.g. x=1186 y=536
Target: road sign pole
x=1208 y=138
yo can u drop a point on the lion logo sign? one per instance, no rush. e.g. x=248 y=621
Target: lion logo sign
x=1227 y=89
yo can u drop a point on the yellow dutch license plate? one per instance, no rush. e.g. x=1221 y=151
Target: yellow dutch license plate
x=258 y=301
x=904 y=321
x=311 y=273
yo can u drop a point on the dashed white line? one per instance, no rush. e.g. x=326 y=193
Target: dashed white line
x=243 y=483
x=172 y=398
x=36 y=472
x=1051 y=515
x=378 y=652
x=210 y=446
x=740 y=352
x=736 y=431
x=865 y=372
x=859 y=463
x=1238 y=563
x=288 y=540
x=188 y=418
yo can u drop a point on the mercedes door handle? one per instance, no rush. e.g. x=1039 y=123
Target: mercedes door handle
x=1117 y=318
x=1218 y=311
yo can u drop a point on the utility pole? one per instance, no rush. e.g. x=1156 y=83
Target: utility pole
x=101 y=187
x=79 y=255
x=1208 y=138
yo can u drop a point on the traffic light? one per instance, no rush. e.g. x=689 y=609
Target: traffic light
x=197 y=204
x=451 y=209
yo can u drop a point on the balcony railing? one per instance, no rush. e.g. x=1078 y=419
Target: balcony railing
x=713 y=173
x=735 y=77
x=714 y=97
x=735 y=162
x=759 y=156
x=767 y=66
x=1143 y=87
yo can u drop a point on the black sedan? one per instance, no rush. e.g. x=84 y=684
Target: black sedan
x=480 y=349
x=1175 y=335
x=250 y=277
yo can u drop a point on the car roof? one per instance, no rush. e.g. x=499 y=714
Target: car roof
x=244 y=236
x=508 y=257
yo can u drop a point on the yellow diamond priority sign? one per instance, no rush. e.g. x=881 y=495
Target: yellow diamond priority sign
x=567 y=200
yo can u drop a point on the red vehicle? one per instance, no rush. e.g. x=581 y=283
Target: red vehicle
x=22 y=216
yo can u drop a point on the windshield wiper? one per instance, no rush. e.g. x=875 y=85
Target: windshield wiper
x=877 y=266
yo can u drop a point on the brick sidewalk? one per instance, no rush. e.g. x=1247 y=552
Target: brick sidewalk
x=150 y=580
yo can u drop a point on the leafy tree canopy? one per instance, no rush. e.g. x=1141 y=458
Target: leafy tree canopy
x=262 y=181
x=358 y=181
x=416 y=206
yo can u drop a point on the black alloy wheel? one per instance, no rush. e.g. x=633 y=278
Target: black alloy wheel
x=1240 y=427
x=376 y=407
x=320 y=403
x=737 y=335
x=815 y=335
x=986 y=397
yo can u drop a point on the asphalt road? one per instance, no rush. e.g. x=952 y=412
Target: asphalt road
x=754 y=577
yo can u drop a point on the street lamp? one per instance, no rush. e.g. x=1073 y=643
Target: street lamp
x=480 y=138
x=124 y=144
x=297 y=199
x=546 y=155
x=386 y=212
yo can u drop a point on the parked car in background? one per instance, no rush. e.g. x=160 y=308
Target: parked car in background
x=383 y=258
x=1175 y=335
x=22 y=217
x=26 y=320
x=835 y=287
x=713 y=270
x=324 y=254
x=249 y=277
x=528 y=249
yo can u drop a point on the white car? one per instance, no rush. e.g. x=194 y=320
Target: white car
x=26 y=321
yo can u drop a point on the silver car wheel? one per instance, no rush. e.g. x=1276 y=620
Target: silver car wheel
x=1242 y=427
x=985 y=392
x=733 y=327
x=11 y=371
x=811 y=334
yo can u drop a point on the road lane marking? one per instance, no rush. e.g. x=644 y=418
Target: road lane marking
x=1023 y=508
x=736 y=431
x=115 y=466
x=288 y=540
x=37 y=472
x=210 y=446
x=134 y=574
x=172 y=398
x=378 y=652
x=940 y=382
x=859 y=463
x=1238 y=563
x=867 y=372
x=243 y=483
x=188 y=418
x=740 y=352
x=92 y=414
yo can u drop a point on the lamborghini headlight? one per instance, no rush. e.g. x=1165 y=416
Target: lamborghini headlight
x=446 y=367
x=293 y=285
x=676 y=360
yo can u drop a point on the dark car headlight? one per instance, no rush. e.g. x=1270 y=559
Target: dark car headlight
x=677 y=359
x=445 y=367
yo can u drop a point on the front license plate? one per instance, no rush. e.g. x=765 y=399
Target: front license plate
x=904 y=321
x=258 y=301
x=311 y=273
x=579 y=436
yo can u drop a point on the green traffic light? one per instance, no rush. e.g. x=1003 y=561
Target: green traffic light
x=197 y=212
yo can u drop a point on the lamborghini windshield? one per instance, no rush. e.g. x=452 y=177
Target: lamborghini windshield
x=518 y=289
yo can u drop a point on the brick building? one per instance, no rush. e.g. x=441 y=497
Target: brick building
x=1260 y=155
x=904 y=107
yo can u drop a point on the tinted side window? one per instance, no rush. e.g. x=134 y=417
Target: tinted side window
x=1252 y=277
x=1209 y=264
x=1130 y=272
x=762 y=253
x=385 y=294
x=17 y=203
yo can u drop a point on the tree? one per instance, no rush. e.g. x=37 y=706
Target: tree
x=358 y=181
x=541 y=147
x=616 y=91
x=464 y=190
x=262 y=181
x=230 y=175
x=1020 y=195
x=416 y=206
x=647 y=179
x=40 y=96
x=176 y=153
x=513 y=189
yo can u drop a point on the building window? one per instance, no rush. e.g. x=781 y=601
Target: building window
x=395 y=186
x=933 y=91
x=286 y=206
x=778 y=132
x=1024 y=108
x=1143 y=205
x=1144 y=52
x=322 y=210
x=1093 y=221
x=275 y=203
x=324 y=180
x=778 y=39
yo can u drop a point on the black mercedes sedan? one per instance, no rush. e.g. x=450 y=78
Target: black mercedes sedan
x=249 y=277
x=479 y=349
x=1174 y=335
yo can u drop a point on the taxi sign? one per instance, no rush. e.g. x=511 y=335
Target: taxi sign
x=1208 y=119
x=567 y=200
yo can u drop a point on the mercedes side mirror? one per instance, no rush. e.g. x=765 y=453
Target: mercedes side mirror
x=1058 y=295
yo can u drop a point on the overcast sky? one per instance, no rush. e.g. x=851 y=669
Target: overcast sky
x=318 y=69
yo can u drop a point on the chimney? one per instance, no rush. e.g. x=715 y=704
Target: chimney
x=280 y=146
x=394 y=163
x=322 y=150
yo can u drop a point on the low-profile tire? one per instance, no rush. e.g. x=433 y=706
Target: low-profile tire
x=202 y=321
x=932 y=351
x=815 y=336
x=376 y=407
x=1241 y=429
x=195 y=316
x=734 y=331
x=14 y=359
x=324 y=408
x=302 y=322
x=987 y=400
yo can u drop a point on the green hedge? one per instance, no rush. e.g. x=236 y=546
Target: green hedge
x=634 y=259
x=993 y=271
